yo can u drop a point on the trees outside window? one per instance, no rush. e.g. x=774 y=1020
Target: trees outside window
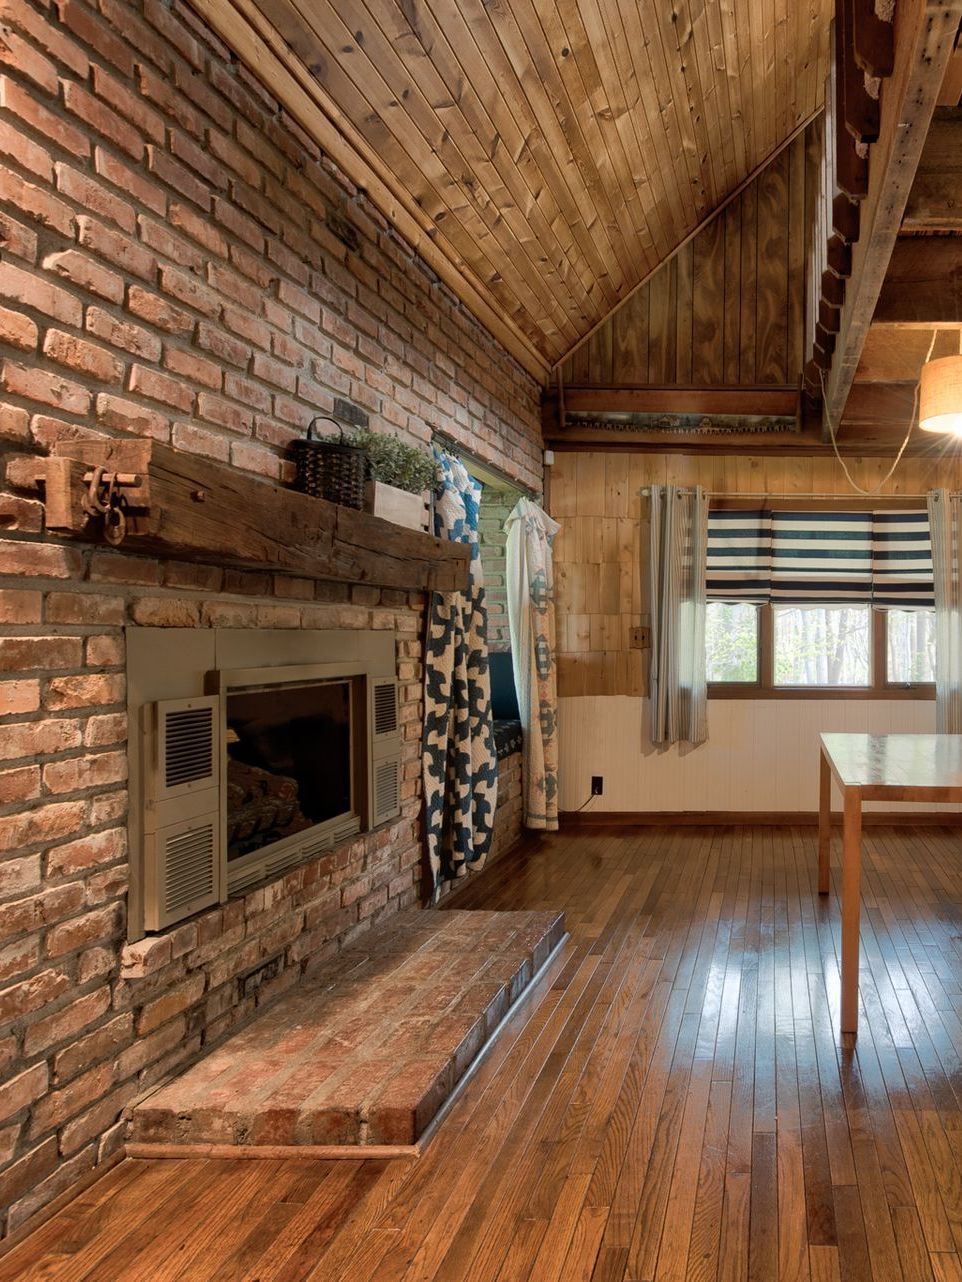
x=731 y=641
x=823 y=645
x=793 y=651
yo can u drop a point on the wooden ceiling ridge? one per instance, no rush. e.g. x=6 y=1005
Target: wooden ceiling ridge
x=706 y=221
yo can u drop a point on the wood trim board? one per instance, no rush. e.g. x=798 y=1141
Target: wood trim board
x=751 y=818
x=55 y=1205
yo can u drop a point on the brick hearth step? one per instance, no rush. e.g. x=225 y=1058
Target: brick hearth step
x=365 y=1052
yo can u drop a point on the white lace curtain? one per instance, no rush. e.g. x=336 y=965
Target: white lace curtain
x=677 y=595
x=945 y=524
x=530 y=583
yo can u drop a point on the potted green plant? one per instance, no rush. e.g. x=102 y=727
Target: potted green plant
x=402 y=479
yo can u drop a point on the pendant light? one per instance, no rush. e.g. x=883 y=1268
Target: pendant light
x=940 y=393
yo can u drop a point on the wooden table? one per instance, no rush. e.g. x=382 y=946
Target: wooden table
x=875 y=767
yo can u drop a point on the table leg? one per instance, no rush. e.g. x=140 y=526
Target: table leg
x=851 y=905
x=824 y=825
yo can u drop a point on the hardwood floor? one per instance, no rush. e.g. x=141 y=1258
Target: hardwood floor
x=672 y=1102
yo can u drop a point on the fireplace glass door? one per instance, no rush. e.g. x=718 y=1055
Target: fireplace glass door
x=289 y=761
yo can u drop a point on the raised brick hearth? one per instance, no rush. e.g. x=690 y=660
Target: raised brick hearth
x=369 y=1050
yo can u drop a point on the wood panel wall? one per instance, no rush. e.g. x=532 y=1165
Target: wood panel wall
x=602 y=545
x=728 y=308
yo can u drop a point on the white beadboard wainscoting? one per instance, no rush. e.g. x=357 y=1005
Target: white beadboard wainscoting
x=761 y=754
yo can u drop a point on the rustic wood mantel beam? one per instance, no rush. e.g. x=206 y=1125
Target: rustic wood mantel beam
x=196 y=509
x=925 y=32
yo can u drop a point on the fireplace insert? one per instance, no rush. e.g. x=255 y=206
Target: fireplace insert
x=253 y=758
x=289 y=762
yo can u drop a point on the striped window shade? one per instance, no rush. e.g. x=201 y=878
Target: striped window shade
x=902 y=560
x=820 y=558
x=739 y=555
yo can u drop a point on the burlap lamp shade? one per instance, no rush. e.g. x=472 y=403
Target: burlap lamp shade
x=940 y=396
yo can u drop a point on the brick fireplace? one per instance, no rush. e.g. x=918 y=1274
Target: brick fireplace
x=172 y=268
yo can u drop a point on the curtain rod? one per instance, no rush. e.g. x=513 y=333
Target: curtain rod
x=455 y=447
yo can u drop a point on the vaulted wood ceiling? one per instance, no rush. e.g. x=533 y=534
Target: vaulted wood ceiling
x=545 y=155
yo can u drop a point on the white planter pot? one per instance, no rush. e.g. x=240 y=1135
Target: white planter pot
x=410 y=510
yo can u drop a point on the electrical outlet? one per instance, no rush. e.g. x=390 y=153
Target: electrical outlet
x=597 y=785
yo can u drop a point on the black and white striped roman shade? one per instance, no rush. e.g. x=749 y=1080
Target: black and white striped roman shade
x=881 y=558
x=739 y=555
x=822 y=558
x=902 y=560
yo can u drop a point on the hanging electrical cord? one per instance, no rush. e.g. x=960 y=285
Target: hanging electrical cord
x=583 y=804
x=902 y=448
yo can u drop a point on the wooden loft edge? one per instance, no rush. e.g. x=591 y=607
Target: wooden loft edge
x=709 y=218
x=924 y=39
x=250 y=35
x=676 y=399
x=197 y=509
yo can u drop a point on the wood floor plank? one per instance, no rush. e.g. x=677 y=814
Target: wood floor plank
x=672 y=1103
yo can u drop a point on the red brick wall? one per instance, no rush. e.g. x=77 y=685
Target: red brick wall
x=168 y=269
x=495 y=508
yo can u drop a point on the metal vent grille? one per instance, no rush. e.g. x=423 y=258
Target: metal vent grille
x=385 y=707
x=386 y=799
x=249 y=877
x=188 y=867
x=188 y=746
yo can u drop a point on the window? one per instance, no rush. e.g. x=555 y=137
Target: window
x=910 y=647
x=806 y=602
x=731 y=641
x=822 y=645
x=818 y=651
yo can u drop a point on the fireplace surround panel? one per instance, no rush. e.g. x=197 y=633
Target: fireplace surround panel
x=251 y=751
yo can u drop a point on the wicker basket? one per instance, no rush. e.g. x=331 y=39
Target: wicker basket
x=332 y=470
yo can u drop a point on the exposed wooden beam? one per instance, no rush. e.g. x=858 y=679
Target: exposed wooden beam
x=935 y=202
x=681 y=400
x=873 y=40
x=880 y=405
x=851 y=166
x=924 y=38
x=895 y=354
x=254 y=39
x=739 y=443
x=861 y=109
x=923 y=285
x=950 y=94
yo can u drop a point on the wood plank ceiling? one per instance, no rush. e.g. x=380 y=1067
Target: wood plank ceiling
x=549 y=153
